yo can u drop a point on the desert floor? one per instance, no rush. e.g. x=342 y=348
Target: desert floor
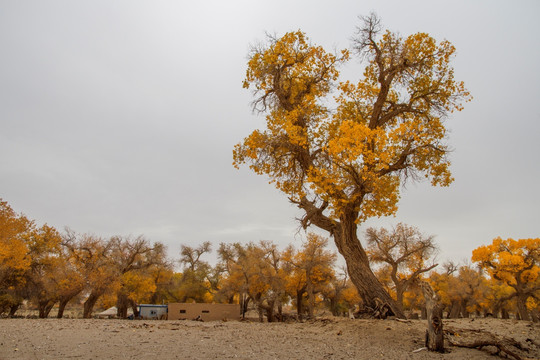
x=328 y=338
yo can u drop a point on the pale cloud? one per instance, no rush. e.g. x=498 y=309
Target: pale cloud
x=120 y=117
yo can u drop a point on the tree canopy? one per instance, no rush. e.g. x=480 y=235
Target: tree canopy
x=516 y=263
x=345 y=164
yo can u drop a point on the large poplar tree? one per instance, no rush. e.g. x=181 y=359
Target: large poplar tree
x=344 y=165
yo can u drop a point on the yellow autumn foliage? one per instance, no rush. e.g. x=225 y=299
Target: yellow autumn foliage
x=512 y=261
x=515 y=263
x=357 y=155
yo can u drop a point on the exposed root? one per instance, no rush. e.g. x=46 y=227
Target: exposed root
x=380 y=310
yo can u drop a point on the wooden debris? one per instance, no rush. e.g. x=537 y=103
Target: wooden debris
x=434 y=332
x=480 y=339
x=403 y=320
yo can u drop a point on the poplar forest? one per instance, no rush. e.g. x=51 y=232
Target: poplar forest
x=342 y=152
x=47 y=269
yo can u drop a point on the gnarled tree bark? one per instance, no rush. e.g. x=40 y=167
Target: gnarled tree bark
x=434 y=332
x=345 y=236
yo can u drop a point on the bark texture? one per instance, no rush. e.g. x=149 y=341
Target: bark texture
x=434 y=332
x=89 y=304
x=345 y=236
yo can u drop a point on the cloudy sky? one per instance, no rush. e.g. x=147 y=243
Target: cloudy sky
x=119 y=117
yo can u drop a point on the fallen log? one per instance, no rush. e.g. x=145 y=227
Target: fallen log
x=481 y=339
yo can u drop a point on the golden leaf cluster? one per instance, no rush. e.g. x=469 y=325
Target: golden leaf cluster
x=386 y=127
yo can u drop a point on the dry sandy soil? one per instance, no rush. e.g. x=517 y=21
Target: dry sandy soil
x=328 y=338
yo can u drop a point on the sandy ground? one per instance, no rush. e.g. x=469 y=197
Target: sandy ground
x=330 y=338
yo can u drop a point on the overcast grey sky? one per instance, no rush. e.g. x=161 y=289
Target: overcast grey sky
x=119 y=117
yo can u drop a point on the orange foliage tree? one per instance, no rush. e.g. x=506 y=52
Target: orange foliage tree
x=14 y=258
x=45 y=274
x=192 y=283
x=342 y=167
x=93 y=258
x=255 y=273
x=405 y=251
x=463 y=293
x=340 y=295
x=311 y=269
x=134 y=259
x=517 y=264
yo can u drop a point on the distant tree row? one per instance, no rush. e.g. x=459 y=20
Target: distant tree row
x=47 y=268
x=506 y=278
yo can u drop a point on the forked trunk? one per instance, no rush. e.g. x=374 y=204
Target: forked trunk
x=45 y=308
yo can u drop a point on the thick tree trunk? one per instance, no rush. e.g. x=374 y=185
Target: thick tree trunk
x=455 y=310
x=434 y=332
x=122 y=304
x=496 y=311
x=311 y=295
x=244 y=302
x=61 y=307
x=299 y=304
x=89 y=305
x=464 y=313
x=65 y=299
x=369 y=288
x=345 y=236
x=135 y=308
x=333 y=306
x=270 y=312
x=45 y=308
x=400 y=290
x=522 y=307
x=13 y=309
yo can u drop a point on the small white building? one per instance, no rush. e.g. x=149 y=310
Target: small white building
x=152 y=311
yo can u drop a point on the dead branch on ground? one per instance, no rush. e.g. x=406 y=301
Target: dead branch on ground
x=480 y=339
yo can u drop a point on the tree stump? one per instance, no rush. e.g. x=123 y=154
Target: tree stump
x=434 y=332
